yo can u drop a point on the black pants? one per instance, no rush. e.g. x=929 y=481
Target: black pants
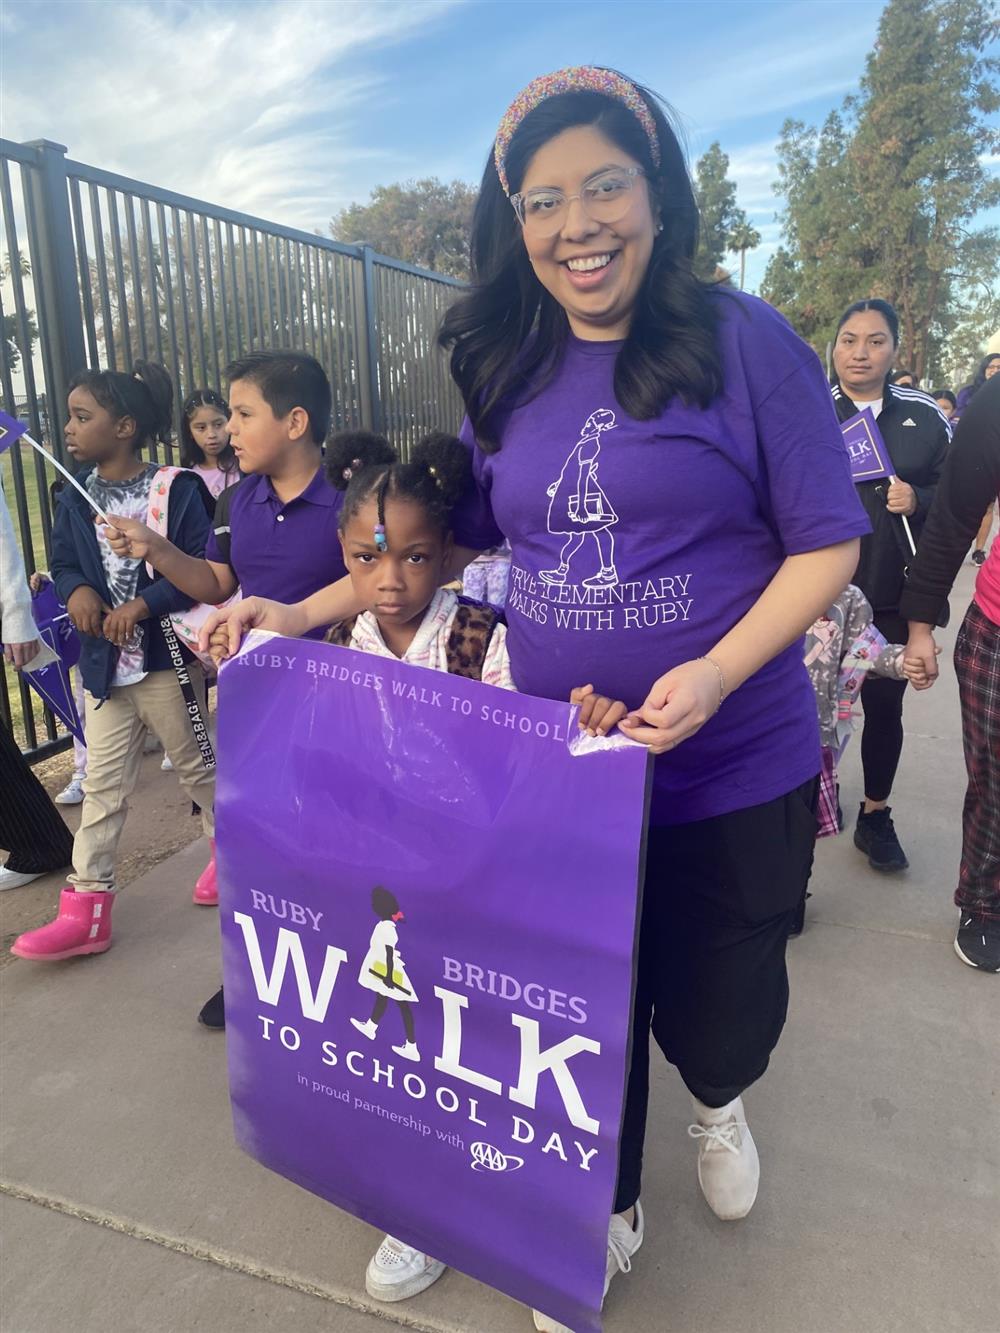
x=882 y=701
x=719 y=897
x=30 y=825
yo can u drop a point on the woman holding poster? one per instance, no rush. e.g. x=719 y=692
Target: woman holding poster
x=724 y=522
x=916 y=433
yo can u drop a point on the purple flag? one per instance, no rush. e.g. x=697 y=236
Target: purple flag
x=866 y=448
x=429 y=909
x=11 y=430
x=52 y=682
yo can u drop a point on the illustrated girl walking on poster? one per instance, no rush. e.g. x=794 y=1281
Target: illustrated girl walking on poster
x=579 y=508
x=384 y=972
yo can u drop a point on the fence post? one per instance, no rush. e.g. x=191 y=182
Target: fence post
x=371 y=337
x=56 y=284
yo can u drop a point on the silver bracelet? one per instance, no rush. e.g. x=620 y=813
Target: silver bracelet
x=722 y=681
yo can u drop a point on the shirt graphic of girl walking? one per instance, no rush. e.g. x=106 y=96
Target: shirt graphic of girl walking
x=580 y=508
x=384 y=972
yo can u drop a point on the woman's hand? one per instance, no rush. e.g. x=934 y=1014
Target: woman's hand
x=920 y=657
x=119 y=625
x=678 y=705
x=901 y=498
x=87 y=610
x=598 y=714
x=224 y=629
x=132 y=540
x=38 y=581
x=18 y=655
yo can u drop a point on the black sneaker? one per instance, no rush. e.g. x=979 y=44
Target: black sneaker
x=979 y=557
x=978 y=943
x=213 y=1014
x=875 y=835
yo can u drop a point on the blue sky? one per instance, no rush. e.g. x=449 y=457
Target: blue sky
x=292 y=110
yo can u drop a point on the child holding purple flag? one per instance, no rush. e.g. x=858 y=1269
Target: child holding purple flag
x=694 y=548
x=126 y=662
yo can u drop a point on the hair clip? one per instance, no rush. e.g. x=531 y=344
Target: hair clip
x=432 y=470
x=380 y=542
x=348 y=472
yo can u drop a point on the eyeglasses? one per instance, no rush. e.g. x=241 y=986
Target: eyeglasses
x=605 y=198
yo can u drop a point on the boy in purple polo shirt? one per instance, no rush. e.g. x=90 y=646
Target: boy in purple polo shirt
x=275 y=534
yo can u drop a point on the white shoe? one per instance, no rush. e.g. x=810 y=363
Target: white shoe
x=623 y=1242
x=366 y=1029
x=72 y=793
x=13 y=879
x=167 y=766
x=409 y=1051
x=728 y=1165
x=398 y=1271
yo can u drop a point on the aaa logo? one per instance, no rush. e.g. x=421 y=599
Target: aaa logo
x=487 y=1158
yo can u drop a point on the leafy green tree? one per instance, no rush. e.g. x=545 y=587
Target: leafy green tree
x=11 y=335
x=883 y=200
x=424 y=222
x=720 y=215
x=742 y=238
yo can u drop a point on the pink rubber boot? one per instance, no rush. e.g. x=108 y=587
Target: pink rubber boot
x=206 y=891
x=82 y=926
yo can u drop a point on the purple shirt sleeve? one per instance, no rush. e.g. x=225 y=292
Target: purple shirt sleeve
x=472 y=521
x=804 y=476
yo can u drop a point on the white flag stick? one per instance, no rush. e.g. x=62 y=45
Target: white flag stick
x=69 y=477
x=906 y=525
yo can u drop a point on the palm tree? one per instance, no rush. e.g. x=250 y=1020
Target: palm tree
x=741 y=239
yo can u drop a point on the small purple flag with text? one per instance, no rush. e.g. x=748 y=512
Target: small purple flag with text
x=52 y=682
x=11 y=431
x=866 y=448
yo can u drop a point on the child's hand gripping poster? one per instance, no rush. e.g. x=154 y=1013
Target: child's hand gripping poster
x=429 y=910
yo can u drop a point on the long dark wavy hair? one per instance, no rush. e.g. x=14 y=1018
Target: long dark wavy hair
x=507 y=331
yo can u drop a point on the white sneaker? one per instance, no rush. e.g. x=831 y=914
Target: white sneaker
x=167 y=766
x=408 y=1051
x=13 y=879
x=728 y=1165
x=366 y=1029
x=72 y=793
x=398 y=1271
x=623 y=1242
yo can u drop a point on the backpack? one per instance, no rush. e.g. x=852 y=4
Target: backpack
x=187 y=625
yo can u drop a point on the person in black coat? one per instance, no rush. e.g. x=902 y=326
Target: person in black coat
x=917 y=435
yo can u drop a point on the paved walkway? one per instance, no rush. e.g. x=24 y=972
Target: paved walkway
x=129 y=1207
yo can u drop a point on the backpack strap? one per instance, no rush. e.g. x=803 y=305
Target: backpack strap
x=340 y=634
x=158 y=509
x=469 y=641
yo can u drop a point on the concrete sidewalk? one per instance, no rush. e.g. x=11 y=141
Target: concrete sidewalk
x=877 y=1127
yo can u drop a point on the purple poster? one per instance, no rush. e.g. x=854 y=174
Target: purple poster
x=865 y=447
x=429 y=902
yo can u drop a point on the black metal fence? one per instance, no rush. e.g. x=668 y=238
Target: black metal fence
x=97 y=270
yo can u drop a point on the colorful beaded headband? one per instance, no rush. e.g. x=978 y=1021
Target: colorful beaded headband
x=575 y=79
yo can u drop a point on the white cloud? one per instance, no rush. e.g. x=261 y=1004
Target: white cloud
x=248 y=105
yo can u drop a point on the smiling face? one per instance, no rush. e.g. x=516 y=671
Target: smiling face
x=862 y=355
x=396 y=585
x=595 y=270
x=209 y=431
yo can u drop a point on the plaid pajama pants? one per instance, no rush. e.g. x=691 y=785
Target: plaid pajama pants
x=977 y=665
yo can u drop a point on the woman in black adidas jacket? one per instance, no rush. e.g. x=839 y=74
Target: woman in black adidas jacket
x=917 y=433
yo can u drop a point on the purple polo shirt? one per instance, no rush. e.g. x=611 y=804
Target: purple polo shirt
x=638 y=544
x=282 y=551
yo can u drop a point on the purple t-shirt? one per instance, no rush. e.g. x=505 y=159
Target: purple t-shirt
x=282 y=551
x=638 y=544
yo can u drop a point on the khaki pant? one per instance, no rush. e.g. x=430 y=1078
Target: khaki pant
x=115 y=733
